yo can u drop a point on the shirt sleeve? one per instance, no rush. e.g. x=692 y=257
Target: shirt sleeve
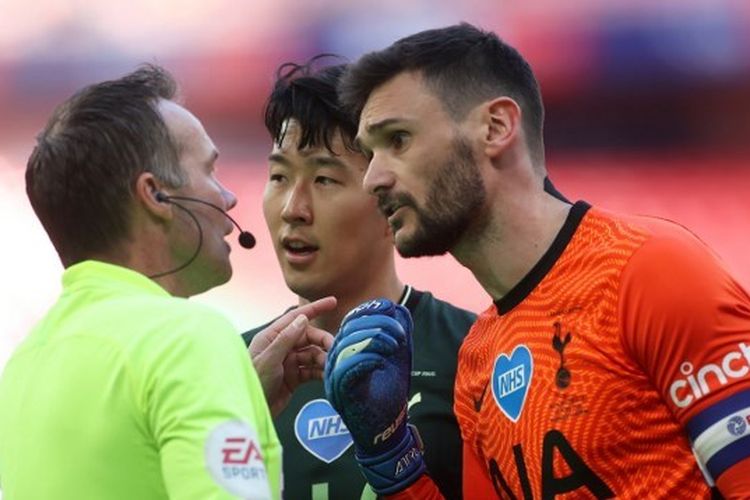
x=423 y=489
x=206 y=410
x=686 y=322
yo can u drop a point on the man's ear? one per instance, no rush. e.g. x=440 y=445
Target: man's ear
x=502 y=125
x=150 y=195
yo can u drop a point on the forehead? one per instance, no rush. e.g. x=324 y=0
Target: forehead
x=186 y=130
x=404 y=97
x=289 y=150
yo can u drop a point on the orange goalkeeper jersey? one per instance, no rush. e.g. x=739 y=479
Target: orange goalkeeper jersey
x=618 y=367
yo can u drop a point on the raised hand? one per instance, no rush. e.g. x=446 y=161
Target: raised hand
x=367 y=380
x=290 y=351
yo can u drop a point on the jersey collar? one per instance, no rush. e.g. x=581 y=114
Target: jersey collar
x=102 y=274
x=524 y=287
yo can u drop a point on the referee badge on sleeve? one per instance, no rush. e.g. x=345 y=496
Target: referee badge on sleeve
x=235 y=460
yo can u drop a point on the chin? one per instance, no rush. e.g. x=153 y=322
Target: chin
x=421 y=247
x=224 y=274
x=405 y=245
x=217 y=277
x=308 y=289
x=225 y=277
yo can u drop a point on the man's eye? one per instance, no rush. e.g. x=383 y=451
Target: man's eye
x=326 y=181
x=276 y=178
x=399 y=139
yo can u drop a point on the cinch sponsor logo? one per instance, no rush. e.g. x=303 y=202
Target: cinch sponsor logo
x=511 y=381
x=696 y=384
x=323 y=427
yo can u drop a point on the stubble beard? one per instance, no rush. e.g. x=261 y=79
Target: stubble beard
x=454 y=202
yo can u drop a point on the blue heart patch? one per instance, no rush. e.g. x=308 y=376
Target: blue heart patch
x=320 y=430
x=511 y=378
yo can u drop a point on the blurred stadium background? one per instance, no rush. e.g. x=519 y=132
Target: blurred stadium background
x=648 y=110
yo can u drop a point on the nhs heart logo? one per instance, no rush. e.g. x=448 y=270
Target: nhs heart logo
x=511 y=378
x=320 y=430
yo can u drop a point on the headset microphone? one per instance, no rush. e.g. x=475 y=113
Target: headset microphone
x=246 y=239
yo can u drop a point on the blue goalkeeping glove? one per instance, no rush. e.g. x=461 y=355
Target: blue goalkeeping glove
x=367 y=380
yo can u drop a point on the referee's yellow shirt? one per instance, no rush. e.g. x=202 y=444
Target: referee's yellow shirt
x=125 y=392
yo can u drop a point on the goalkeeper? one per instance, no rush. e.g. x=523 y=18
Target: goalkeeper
x=614 y=360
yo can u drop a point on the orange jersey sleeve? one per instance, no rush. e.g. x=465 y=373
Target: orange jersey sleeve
x=734 y=483
x=686 y=322
x=422 y=489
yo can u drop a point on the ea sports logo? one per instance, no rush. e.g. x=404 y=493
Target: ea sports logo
x=240 y=450
x=233 y=456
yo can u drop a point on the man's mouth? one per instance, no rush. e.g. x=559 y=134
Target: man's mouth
x=298 y=247
x=388 y=207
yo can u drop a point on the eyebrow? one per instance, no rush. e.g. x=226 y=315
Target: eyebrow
x=318 y=161
x=326 y=161
x=278 y=158
x=375 y=129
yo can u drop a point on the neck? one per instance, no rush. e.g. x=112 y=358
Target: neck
x=153 y=252
x=148 y=264
x=517 y=234
x=151 y=256
x=386 y=285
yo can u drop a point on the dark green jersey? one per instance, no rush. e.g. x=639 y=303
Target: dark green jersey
x=318 y=457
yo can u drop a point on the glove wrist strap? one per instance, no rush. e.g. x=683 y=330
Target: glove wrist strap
x=396 y=469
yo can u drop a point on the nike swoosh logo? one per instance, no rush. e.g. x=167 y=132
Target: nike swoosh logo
x=417 y=398
x=478 y=402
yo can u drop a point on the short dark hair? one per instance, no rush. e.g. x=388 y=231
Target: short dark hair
x=81 y=176
x=462 y=64
x=308 y=94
